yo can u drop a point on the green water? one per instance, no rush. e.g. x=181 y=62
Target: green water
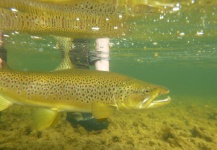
x=186 y=44
x=183 y=76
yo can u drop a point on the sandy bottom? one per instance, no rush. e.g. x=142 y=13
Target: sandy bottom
x=180 y=125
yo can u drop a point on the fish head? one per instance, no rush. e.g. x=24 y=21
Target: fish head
x=141 y=95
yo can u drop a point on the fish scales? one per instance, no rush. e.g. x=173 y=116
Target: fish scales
x=76 y=90
x=82 y=18
x=75 y=18
x=66 y=87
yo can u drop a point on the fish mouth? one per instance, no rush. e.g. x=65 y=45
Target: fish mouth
x=160 y=102
x=150 y=102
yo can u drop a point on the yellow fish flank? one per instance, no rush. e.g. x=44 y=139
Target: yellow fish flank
x=74 y=18
x=99 y=93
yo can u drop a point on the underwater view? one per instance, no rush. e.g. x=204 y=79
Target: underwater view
x=108 y=74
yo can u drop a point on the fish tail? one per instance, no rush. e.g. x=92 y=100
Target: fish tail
x=65 y=47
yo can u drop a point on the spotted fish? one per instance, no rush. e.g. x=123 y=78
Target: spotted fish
x=74 y=18
x=77 y=90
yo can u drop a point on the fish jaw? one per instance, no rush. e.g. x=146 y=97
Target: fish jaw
x=151 y=102
x=158 y=103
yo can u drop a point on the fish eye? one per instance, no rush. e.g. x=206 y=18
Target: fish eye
x=146 y=91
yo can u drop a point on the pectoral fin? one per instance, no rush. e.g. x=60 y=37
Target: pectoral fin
x=44 y=118
x=4 y=103
x=102 y=111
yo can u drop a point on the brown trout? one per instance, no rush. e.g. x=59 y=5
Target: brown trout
x=74 y=18
x=76 y=90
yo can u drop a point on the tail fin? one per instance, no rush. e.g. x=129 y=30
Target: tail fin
x=65 y=44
